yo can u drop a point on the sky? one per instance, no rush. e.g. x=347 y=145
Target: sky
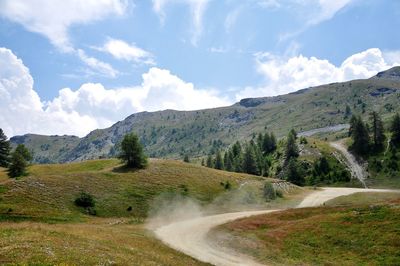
x=71 y=66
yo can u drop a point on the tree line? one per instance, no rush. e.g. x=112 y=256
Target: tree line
x=253 y=157
x=369 y=138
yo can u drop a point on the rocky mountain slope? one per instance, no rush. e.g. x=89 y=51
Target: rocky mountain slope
x=173 y=133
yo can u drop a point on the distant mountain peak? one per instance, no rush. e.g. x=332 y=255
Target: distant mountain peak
x=392 y=73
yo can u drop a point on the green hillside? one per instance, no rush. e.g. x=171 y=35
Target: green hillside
x=49 y=191
x=40 y=225
x=171 y=134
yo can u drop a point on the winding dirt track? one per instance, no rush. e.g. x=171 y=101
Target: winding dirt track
x=356 y=169
x=190 y=236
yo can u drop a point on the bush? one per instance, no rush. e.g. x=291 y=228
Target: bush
x=85 y=200
x=269 y=192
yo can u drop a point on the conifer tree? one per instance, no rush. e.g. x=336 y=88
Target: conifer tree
x=132 y=152
x=228 y=161
x=360 y=137
x=19 y=161
x=4 y=150
x=377 y=129
x=395 y=131
x=293 y=173
x=292 y=151
x=219 y=164
x=353 y=123
x=249 y=161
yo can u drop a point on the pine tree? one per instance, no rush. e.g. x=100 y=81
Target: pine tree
x=266 y=144
x=272 y=146
x=292 y=151
x=395 y=130
x=353 y=123
x=260 y=141
x=132 y=152
x=236 y=149
x=209 y=162
x=293 y=173
x=360 y=137
x=4 y=150
x=249 y=161
x=219 y=164
x=19 y=161
x=377 y=129
x=269 y=143
x=228 y=161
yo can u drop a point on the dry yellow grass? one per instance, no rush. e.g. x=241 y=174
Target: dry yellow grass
x=97 y=242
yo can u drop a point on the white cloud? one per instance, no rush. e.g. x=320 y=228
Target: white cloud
x=53 y=18
x=129 y=52
x=91 y=106
x=328 y=9
x=314 y=12
x=100 y=68
x=197 y=9
x=284 y=75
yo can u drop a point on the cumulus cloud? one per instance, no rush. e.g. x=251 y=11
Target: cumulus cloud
x=284 y=75
x=92 y=105
x=197 y=9
x=129 y=52
x=53 y=18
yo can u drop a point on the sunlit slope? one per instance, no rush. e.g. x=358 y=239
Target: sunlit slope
x=49 y=191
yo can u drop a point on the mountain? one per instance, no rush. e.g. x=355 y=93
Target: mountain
x=173 y=133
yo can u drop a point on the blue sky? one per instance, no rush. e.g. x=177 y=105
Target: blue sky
x=82 y=65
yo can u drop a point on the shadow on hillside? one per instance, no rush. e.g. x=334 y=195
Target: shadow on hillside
x=124 y=169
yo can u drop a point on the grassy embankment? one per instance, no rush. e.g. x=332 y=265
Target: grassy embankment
x=40 y=225
x=48 y=192
x=342 y=234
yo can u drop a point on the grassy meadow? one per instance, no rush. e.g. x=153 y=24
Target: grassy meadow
x=354 y=230
x=40 y=225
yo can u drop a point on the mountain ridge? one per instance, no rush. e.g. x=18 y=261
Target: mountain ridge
x=172 y=133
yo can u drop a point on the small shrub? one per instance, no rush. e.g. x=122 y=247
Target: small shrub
x=85 y=200
x=269 y=192
x=227 y=185
x=279 y=193
x=184 y=190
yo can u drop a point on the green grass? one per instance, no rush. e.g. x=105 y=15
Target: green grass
x=364 y=198
x=362 y=235
x=48 y=192
x=40 y=225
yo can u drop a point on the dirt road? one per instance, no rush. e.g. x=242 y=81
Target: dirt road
x=356 y=169
x=190 y=236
